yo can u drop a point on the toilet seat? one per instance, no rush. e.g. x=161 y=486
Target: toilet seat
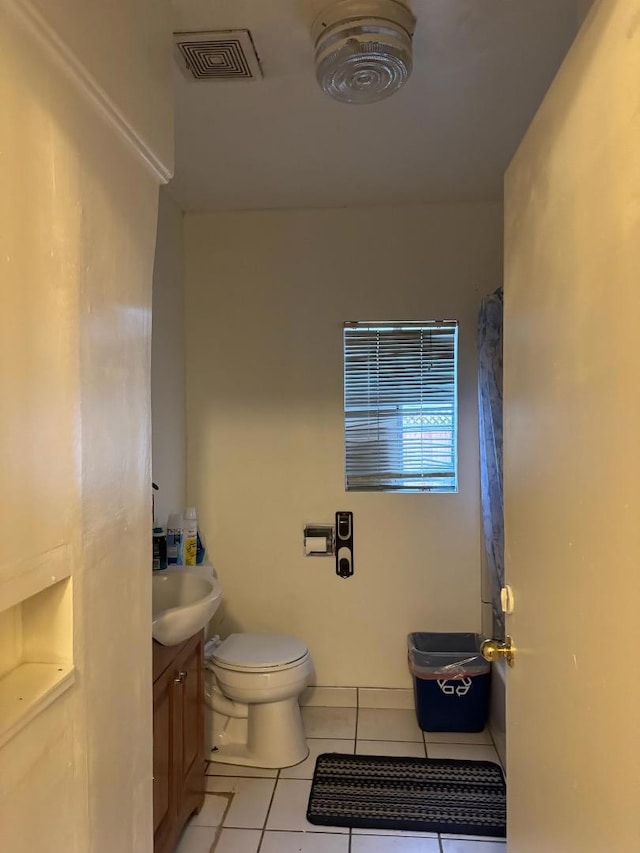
x=260 y=652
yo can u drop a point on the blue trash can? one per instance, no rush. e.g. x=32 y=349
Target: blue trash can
x=450 y=681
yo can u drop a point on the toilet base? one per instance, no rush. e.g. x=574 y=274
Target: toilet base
x=271 y=736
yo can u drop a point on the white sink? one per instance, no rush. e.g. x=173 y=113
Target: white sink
x=184 y=600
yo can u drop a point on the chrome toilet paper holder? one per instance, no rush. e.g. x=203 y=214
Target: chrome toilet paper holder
x=319 y=540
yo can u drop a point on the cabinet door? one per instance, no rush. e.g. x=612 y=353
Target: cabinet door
x=164 y=790
x=189 y=758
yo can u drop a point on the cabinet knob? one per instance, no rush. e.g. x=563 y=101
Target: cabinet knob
x=182 y=677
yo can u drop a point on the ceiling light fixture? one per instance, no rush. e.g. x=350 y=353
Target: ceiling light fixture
x=363 y=49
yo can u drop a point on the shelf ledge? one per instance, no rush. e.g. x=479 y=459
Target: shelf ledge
x=27 y=690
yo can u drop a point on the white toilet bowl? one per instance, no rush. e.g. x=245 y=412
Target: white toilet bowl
x=253 y=682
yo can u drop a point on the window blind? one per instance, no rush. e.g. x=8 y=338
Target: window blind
x=400 y=406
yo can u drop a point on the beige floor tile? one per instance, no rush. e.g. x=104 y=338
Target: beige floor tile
x=465 y=751
x=395 y=833
x=388 y=724
x=329 y=722
x=304 y=842
x=317 y=746
x=472 y=846
x=289 y=808
x=250 y=802
x=459 y=737
x=211 y=812
x=393 y=844
x=461 y=836
x=239 y=841
x=215 y=768
x=385 y=697
x=330 y=697
x=408 y=749
x=197 y=839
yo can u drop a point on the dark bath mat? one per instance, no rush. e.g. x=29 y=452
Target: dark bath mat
x=419 y=794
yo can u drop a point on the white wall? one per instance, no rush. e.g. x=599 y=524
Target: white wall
x=123 y=47
x=168 y=364
x=267 y=293
x=78 y=213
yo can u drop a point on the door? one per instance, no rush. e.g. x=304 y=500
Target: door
x=572 y=451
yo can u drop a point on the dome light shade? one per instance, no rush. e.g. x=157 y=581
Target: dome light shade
x=363 y=49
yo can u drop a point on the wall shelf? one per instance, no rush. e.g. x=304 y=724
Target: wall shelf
x=36 y=645
x=27 y=690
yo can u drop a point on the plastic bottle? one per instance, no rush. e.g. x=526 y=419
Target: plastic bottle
x=174 y=538
x=190 y=536
x=159 y=549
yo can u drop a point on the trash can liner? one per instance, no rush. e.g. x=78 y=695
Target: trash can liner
x=458 y=669
x=431 y=656
x=450 y=681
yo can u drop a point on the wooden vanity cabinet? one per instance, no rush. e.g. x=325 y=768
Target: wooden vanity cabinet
x=178 y=739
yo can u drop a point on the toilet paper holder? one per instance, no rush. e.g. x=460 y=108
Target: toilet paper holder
x=319 y=540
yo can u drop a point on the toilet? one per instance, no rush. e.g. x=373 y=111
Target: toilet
x=252 y=686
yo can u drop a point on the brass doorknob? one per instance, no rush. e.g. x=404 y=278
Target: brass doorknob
x=493 y=650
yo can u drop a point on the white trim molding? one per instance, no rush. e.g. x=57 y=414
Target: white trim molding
x=86 y=84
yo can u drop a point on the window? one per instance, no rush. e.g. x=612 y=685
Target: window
x=400 y=406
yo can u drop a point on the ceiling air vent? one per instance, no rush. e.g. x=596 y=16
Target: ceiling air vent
x=218 y=55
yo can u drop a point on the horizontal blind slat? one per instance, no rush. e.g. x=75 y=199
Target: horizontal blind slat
x=400 y=401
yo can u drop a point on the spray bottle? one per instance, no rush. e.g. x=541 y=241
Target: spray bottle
x=190 y=536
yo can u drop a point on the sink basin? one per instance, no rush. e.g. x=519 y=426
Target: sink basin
x=183 y=602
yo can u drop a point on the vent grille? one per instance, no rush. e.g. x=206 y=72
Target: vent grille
x=218 y=55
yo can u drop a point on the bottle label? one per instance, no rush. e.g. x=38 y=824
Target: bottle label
x=190 y=551
x=173 y=539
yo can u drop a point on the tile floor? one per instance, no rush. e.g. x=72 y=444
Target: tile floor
x=248 y=810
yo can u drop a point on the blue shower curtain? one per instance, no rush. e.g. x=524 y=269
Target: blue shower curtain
x=490 y=414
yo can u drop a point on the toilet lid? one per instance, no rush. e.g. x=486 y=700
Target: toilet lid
x=259 y=651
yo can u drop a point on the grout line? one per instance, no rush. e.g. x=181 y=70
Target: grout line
x=329 y=737
x=266 y=817
x=459 y=742
x=395 y=740
x=307 y=832
x=332 y=737
x=229 y=798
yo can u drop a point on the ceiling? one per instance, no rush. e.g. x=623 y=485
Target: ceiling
x=481 y=67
